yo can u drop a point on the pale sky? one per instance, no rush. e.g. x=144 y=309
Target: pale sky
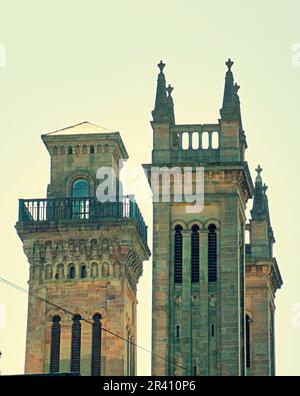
x=64 y=62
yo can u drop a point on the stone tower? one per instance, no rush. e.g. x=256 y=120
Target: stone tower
x=198 y=312
x=85 y=259
x=262 y=281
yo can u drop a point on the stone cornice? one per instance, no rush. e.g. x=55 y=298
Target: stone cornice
x=265 y=268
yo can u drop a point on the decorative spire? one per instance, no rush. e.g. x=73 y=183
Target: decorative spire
x=229 y=109
x=260 y=204
x=161 y=110
x=170 y=104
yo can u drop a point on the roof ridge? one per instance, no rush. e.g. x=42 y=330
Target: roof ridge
x=69 y=127
x=78 y=125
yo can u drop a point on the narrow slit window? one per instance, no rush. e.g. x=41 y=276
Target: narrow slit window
x=212 y=253
x=83 y=272
x=212 y=330
x=128 y=354
x=132 y=357
x=55 y=345
x=178 y=254
x=195 y=254
x=76 y=344
x=71 y=274
x=247 y=341
x=177 y=331
x=96 y=345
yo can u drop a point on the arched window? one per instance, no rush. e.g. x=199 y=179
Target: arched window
x=71 y=273
x=247 y=341
x=92 y=149
x=178 y=254
x=76 y=344
x=80 y=206
x=55 y=345
x=195 y=254
x=80 y=188
x=96 y=345
x=83 y=272
x=84 y=149
x=212 y=253
x=70 y=150
x=60 y=271
x=55 y=150
x=94 y=270
x=48 y=272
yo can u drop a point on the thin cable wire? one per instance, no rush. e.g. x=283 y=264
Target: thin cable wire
x=44 y=300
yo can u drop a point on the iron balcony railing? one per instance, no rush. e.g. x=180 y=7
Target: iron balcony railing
x=79 y=209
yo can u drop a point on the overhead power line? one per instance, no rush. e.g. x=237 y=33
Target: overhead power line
x=46 y=301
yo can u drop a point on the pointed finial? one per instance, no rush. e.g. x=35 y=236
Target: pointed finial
x=236 y=88
x=260 y=209
x=161 y=66
x=169 y=89
x=258 y=177
x=229 y=64
x=259 y=170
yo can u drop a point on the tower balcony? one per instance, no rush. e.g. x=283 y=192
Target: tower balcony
x=195 y=142
x=83 y=210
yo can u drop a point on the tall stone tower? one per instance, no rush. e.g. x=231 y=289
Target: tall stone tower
x=262 y=281
x=199 y=316
x=85 y=258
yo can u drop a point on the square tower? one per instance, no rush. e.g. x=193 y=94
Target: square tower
x=85 y=259
x=263 y=279
x=199 y=253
